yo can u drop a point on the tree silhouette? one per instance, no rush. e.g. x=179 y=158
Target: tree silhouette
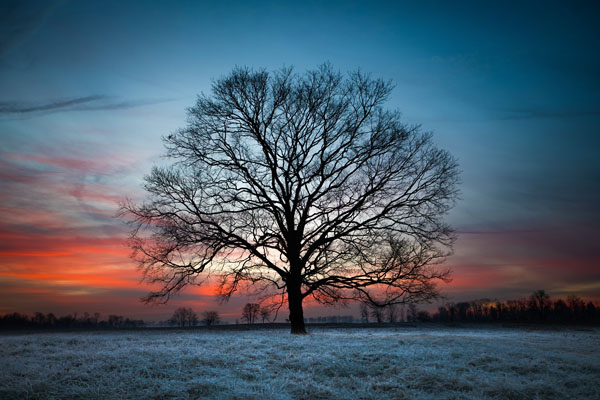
x=364 y=312
x=210 y=318
x=183 y=316
x=301 y=183
x=377 y=313
x=265 y=313
x=539 y=302
x=250 y=312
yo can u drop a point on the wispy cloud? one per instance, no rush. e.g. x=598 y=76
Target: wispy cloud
x=85 y=103
x=12 y=107
x=579 y=288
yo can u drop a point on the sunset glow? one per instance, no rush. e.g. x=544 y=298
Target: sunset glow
x=89 y=88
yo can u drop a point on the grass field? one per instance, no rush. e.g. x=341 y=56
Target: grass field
x=396 y=363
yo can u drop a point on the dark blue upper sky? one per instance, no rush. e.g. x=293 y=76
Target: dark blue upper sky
x=512 y=89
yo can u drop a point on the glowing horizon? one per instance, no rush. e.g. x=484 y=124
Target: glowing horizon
x=88 y=89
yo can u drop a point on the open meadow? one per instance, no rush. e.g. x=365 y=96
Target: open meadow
x=425 y=362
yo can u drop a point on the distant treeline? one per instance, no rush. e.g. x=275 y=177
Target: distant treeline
x=50 y=321
x=538 y=307
x=331 y=319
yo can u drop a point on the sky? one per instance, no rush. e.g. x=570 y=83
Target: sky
x=87 y=90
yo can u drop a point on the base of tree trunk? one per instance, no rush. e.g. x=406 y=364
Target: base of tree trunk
x=296 y=312
x=299 y=331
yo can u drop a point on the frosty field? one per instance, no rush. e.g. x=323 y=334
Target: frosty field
x=395 y=363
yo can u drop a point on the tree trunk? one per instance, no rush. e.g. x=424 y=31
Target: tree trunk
x=296 y=312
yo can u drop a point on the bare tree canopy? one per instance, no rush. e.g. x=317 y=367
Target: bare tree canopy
x=183 y=316
x=265 y=313
x=210 y=318
x=303 y=182
x=250 y=312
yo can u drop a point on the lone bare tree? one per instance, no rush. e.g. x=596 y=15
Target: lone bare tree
x=364 y=312
x=250 y=312
x=210 y=318
x=183 y=316
x=303 y=182
x=265 y=313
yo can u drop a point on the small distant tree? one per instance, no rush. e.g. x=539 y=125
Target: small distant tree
x=392 y=313
x=38 y=319
x=250 y=312
x=377 y=313
x=51 y=319
x=178 y=317
x=412 y=312
x=210 y=318
x=463 y=307
x=192 y=318
x=364 y=312
x=114 y=321
x=183 y=316
x=577 y=306
x=265 y=313
x=539 y=303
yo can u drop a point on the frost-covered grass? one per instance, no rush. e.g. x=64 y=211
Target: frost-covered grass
x=395 y=363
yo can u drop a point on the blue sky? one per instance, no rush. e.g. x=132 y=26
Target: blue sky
x=87 y=89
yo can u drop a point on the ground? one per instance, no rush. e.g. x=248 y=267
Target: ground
x=424 y=362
